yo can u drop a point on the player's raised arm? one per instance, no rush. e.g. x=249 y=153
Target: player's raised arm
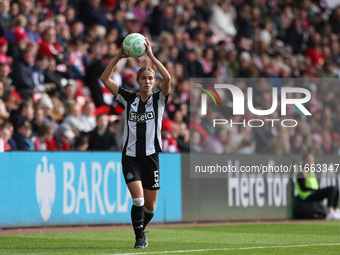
x=111 y=85
x=166 y=83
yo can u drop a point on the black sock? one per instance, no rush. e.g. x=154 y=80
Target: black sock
x=147 y=218
x=137 y=216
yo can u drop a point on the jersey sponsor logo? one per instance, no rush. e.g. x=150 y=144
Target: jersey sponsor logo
x=141 y=117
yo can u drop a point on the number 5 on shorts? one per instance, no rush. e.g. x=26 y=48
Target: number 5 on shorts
x=156 y=174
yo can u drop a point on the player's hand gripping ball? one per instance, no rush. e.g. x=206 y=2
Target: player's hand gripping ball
x=133 y=45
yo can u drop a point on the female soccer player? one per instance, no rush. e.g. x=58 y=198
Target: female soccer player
x=142 y=138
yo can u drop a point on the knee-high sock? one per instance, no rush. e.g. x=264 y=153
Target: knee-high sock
x=148 y=214
x=137 y=217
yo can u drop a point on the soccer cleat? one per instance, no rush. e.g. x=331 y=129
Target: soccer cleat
x=141 y=243
x=332 y=216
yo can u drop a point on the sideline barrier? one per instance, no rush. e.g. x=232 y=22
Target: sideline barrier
x=243 y=196
x=77 y=188
x=87 y=188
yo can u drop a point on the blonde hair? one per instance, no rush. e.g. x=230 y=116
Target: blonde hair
x=145 y=68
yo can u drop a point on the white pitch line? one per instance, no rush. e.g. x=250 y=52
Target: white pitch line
x=231 y=249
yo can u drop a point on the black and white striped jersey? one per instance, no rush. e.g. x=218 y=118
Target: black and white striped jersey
x=143 y=122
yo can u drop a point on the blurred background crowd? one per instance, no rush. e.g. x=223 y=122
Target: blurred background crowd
x=52 y=54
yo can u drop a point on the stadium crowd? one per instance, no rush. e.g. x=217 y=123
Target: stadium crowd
x=52 y=54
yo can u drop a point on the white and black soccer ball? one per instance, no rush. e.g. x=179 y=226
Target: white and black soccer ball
x=133 y=45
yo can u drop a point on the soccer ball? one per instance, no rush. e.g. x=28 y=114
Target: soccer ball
x=133 y=45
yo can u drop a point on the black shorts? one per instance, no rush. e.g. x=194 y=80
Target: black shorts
x=145 y=169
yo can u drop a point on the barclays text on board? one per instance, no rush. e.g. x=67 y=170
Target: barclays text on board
x=46 y=188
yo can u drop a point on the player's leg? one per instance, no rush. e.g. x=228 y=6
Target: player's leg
x=150 y=185
x=133 y=175
x=137 y=210
x=150 y=197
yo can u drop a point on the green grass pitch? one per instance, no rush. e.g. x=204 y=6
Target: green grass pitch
x=302 y=238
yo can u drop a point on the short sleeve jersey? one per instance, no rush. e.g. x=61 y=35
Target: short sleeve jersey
x=143 y=122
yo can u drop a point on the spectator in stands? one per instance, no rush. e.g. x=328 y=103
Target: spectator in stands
x=41 y=65
x=68 y=94
x=222 y=21
x=140 y=10
x=101 y=139
x=81 y=143
x=91 y=12
x=37 y=121
x=191 y=66
x=5 y=17
x=295 y=35
x=262 y=138
x=129 y=80
x=207 y=61
x=14 y=10
x=15 y=36
x=87 y=117
x=22 y=136
x=161 y=20
x=3 y=51
x=31 y=29
x=58 y=111
x=50 y=47
x=99 y=94
x=73 y=117
x=46 y=104
x=64 y=137
x=334 y=20
x=280 y=144
x=6 y=132
x=77 y=29
x=21 y=74
x=183 y=138
x=57 y=80
x=208 y=121
x=4 y=78
x=130 y=24
x=336 y=143
x=11 y=102
x=4 y=115
x=45 y=134
x=169 y=143
x=247 y=147
x=217 y=142
x=76 y=57
x=24 y=112
x=297 y=145
x=195 y=141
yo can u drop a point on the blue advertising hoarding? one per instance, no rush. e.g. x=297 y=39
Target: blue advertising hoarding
x=78 y=188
